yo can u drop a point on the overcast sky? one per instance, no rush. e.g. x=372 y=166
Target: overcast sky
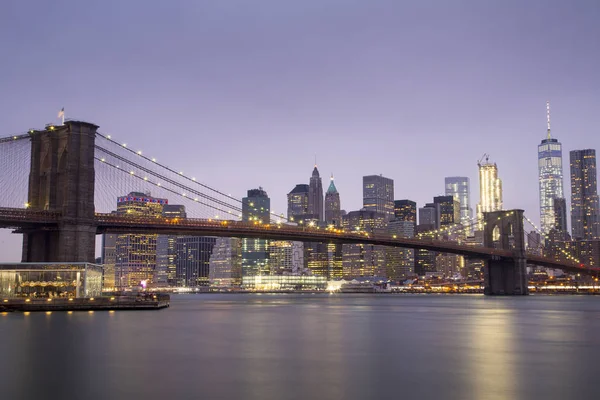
x=244 y=93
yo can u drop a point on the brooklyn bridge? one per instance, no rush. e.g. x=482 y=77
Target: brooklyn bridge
x=59 y=184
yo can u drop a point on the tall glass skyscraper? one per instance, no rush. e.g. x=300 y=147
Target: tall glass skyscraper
x=459 y=188
x=585 y=213
x=256 y=207
x=550 y=176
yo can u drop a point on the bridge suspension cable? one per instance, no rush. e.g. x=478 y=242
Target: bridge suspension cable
x=227 y=200
x=547 y=237
x=158 y=185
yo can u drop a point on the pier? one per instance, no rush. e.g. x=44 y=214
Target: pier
x=149 y=302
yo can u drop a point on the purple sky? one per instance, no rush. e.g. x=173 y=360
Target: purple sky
x=245 y=93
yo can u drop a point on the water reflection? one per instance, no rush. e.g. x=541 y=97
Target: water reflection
x=299 y=347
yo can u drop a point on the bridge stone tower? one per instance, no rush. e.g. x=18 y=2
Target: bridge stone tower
x=504 y=230
x=61 y=179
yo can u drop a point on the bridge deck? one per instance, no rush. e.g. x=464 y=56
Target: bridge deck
x=17 y=218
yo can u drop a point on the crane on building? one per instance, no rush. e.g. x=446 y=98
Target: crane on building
x=486 y=156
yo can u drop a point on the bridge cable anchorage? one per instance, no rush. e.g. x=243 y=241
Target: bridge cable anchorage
x=166 y=179
x=547 y=237
x=179 y=173
x=159 y=186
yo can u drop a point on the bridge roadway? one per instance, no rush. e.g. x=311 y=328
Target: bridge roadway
x=23 y=219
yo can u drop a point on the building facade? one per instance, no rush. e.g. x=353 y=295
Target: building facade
x=378 y=195
x=225 y=265
x=315 y=195
x=360 y=260
x=459 y=188
x=490 y=190
x=135 y=254
x=193 y=260
x=400 y=261
x=406 y=210
x=584 y=195
x=449 y=210
x=333 y=214
x=297 y=201
x=166 y=257
x=256 y=207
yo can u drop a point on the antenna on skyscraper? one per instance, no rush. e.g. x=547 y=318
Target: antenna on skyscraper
x=548 y=117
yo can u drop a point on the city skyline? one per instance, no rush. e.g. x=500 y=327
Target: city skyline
x=333 y=93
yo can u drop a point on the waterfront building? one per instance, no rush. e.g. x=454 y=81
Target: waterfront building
x=490 y=189
x=333 y=215
x=50 y=280
x=459 y=188
x=364 y=259
x=585 y=211
x=315 y=195
x=378 y=195
x=135 y=260
x=225 y=264
x=256 y=207
x=550 y=171
x=284 y=282
x=297 y=202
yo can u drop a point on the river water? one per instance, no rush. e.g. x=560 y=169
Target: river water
x=307 y=346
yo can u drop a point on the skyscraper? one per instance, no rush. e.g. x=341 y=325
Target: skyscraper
x=490 y=189
x=406 y=210
x=135 y=254
x=166 y=249
x=298 y=201
x=364 y=259
x=430 y=215
x=315 y=195
x=109 y=247
x=225 y=265
x=193 y=260
x=400 y=261
x=333 y=214
x=378 y=195
x=550 y=176
x=584 y=195
x=256 y=207
x=560 y=215
x=459 y=188
x=449 y=210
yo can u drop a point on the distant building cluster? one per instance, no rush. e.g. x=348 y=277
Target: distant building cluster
x=188 y=261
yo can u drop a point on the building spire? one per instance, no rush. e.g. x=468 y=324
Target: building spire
x=331 y=188
x=548 y=117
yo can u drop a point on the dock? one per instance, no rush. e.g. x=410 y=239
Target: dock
x=149 y=302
